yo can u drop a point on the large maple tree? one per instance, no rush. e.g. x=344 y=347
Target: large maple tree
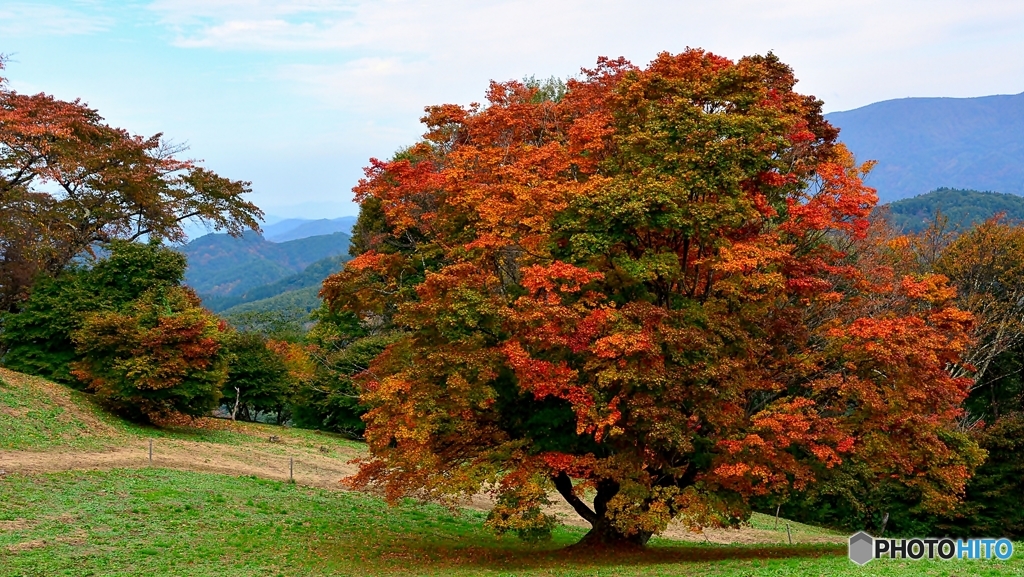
x=633 y=292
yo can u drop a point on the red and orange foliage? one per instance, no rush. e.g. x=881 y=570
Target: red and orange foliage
x=987 y=266
x=296 y=358
x=162 y=357
x=641 y=289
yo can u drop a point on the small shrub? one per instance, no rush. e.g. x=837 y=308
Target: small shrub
x=163 y=354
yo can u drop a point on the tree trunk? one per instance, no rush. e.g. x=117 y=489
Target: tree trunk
x=238 y=397
x=603 y=534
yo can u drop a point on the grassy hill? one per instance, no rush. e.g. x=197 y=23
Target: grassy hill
x=222 y=266
x=963 y=208
x=38 y=415
x=80 y=497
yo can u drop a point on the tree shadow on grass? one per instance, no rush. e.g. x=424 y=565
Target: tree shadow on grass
x=423 y=556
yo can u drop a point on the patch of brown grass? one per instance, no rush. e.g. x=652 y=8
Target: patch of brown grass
x=17 y=525
x=28 y=545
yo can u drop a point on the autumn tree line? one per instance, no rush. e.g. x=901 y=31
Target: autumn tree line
x=655 y=293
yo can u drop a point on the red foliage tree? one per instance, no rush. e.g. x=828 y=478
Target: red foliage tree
x=636 y=291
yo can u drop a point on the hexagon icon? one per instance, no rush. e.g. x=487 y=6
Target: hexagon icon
x=862 y=548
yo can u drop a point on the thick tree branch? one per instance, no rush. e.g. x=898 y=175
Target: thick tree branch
x=564 y=486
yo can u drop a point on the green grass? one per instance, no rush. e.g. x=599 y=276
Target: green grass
x=36 y=415
x=768 y=523
x=30 y=419
x=162 y=522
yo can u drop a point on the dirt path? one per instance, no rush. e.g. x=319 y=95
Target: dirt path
x=309 y=469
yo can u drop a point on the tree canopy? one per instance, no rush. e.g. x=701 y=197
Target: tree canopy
x=163 y=354
x=642 y=289
x=68 y=181
x=38 y=338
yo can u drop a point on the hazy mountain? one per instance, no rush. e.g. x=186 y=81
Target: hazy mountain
x=222 y=266
x=922 y=144
x=311 y=276
x=283 y=226
x=963 y=208
x=310 y=210
x=307 y=228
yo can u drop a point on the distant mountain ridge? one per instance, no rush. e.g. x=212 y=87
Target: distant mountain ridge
x=922 y=144
x=291 y=306
x=221 y=266
x=297 y=228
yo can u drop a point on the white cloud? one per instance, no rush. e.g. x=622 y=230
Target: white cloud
x=35 y=19
x=850 y=52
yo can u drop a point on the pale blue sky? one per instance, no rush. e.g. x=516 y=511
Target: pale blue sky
x=296 y=96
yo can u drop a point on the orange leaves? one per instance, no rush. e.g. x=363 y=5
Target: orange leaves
x=933 y=289
x=368 y=283
x=766 y=458
x=747 y=257
x=164 y=354
x=559 y=277
x=623 y=345
x=296 y=358
x=841 y=202
x=578 y=466
x=69 y=183
x=404 y=189
x=648 y=285
x=544 y=378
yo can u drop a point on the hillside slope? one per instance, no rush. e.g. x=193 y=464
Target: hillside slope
x=925 y=143
x=223 y=266
x=310 y=278
x=45 y=426
x=48 y=428
x=963 y=208
x=293 y=306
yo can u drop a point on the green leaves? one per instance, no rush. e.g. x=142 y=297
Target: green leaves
x=38 y=336
x=635 y=285
x=123 y=327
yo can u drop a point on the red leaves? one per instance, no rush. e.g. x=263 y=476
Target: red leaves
x=559 y=277
x=70 y=182
x=165 y=354
x=404 y=188
x=652 y=263
x=842 y=203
